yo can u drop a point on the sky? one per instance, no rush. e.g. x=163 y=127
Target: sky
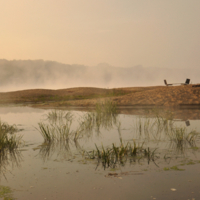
x=123 y=33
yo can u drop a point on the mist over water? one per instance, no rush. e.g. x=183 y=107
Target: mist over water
x=40 y=74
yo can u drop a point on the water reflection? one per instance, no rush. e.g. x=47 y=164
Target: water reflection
x=67 y=134
x=184 y=113
x=10 y=156
x=159 y=137
x=59 y=137
x=158 y=132
x=9 y=159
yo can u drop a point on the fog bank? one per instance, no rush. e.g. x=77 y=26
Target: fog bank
x=32 y=74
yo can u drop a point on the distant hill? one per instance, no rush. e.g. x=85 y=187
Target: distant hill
x=27 y=74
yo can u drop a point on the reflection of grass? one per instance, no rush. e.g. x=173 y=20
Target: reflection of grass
x=8 y=140
x=112 y=156
x=181 y=139
x=162 y=128
x=60 y=122
x=58 y=115
x=58 y=133
x=54 y=132
x=180 y=136
x=9 y=144
x=155 y=128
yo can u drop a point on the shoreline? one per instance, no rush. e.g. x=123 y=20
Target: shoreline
x=152 y=96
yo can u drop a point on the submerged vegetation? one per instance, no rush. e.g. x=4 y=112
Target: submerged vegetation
x=59 y=134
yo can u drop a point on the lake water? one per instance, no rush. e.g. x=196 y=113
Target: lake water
x=41 y=171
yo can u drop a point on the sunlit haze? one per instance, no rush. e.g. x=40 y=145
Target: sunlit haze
x=152 y=34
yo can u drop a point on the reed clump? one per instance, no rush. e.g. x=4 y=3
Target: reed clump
x=181 y=139
x=54 y=132
x=55 y=116
x=119 y=155
x=164 y=128
x=105 y=114
x=58 y=132
x=8 y=140
x=9 y=144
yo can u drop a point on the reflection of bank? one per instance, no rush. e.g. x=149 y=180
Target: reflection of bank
x=187 y=112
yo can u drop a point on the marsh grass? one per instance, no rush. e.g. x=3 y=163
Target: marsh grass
x=59 y=126
x=55 y=132
x=47 y=150
x=156 y=128
x=9 y=146
x=55 y=116
x=8 y=140
x=181 y=139
x=160 y=128
x=58 y=134
x=113 y=156
x=105 y=114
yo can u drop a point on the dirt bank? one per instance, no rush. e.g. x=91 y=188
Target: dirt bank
x=184 y=95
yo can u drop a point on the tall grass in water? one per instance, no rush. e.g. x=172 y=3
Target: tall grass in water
x=56 y=137
x=105 y=114
x=164 y=128
x=60 y=122
x=9 y=144
x=57 y=131
x=55 y=116
x=8 y=140
x=119 y=155
x=181 y=139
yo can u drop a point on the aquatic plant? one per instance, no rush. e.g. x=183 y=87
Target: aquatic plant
x=55 y=132
x=181 y=139
x=8 y=140
x=9 y=144
x=55 y=116
x=119 y=155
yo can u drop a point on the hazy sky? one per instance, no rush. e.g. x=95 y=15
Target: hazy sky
x=124 y=33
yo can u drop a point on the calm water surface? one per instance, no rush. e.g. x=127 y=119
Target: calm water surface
x=59 y=173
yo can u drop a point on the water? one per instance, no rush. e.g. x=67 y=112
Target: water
x=56 y=173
